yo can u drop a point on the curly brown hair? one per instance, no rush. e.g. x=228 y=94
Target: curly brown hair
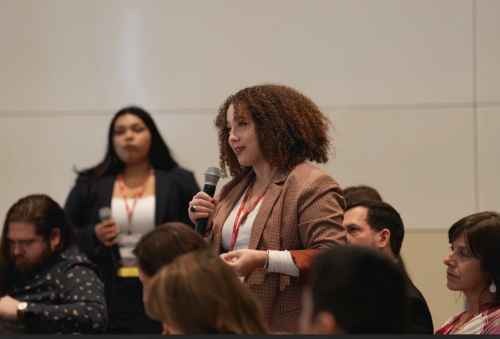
x=290 y=127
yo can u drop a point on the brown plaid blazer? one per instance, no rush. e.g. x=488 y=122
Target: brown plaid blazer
x=302 y=209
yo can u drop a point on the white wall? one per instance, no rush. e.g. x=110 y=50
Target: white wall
x=412 y=86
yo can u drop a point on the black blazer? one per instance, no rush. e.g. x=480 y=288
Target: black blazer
x=420 y=316
x=174 y=190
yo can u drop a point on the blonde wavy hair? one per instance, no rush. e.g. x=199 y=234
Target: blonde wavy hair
x=198 y=294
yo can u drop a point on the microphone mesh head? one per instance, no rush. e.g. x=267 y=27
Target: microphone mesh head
x=212 y=176
x=104 y=213
x=213 y=170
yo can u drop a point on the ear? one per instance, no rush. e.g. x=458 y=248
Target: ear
x=55 y=238
x=326 y=323
x=383 y=238
x=171 y=330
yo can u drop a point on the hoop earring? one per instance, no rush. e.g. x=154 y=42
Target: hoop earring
x=493 y=288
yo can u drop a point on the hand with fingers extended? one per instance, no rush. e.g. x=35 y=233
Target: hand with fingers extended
x=202 y=206
x=106 y=232
x=245 y=262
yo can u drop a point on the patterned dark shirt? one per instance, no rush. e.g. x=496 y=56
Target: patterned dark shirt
x=65 y=297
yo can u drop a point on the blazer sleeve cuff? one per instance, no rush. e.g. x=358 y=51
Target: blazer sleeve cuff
x=302 y=259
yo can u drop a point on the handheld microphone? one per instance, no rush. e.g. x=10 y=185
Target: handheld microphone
x=105 y=214
x=212 y=177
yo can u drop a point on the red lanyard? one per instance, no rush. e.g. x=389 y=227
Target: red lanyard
x=238 y=221
x=130 y=212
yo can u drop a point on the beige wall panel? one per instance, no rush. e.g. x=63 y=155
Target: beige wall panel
x=41 y=153
x=423 y=254
x=48 y=56
x=488 y=50
x=489 y=159
x=81 y=54
x=421 y=161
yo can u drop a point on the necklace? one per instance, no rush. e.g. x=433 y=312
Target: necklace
x=457 y=328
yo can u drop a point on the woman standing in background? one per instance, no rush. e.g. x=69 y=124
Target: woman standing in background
x=144 y=187
x=278 y=211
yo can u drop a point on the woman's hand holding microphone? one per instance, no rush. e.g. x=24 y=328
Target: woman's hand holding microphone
x=203 y=206
x=106 y=232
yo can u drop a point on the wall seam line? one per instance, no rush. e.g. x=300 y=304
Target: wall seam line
x=475 y=117
x=213 y=110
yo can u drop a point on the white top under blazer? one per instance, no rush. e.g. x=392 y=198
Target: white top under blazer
x=279 y=261
x=143 y=220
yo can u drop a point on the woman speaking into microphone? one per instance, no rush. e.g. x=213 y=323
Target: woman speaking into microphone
x=278 y=211
x=144 y=187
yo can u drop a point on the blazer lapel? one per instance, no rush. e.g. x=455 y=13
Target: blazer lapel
x=233 y=195
x=272 y=195
x=162 y=186
x=105 y=191
x=104 y=195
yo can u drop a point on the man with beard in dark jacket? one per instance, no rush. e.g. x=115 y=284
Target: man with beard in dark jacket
x=46 y=285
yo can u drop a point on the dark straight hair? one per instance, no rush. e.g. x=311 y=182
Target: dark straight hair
x=362 y=289
x=482 y=238
x=355 y=193
x=159 y=153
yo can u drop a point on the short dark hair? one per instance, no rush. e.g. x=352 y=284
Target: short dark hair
x=381 y=216
x=355 y=193
x=482 y=239
x=163 y=244
x=362 y=289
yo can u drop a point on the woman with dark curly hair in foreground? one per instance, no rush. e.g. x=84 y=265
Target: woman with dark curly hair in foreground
x=278 y=211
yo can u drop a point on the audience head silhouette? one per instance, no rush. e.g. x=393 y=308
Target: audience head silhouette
x=355 y=193
x=355 y=290
x=161 y=245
